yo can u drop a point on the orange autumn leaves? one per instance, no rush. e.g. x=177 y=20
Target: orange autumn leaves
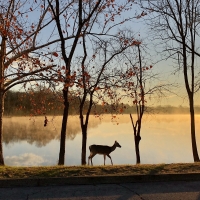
x=55 y=54
x=83 y=80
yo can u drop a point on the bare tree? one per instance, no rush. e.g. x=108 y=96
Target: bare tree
x=139 y=83
x=137 y=87
x=176 y=23
x=140 y=107
x=81 y=23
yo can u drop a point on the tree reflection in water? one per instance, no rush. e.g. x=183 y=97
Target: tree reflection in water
x=32 y=130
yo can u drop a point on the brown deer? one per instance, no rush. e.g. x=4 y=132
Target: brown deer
x=101 y=149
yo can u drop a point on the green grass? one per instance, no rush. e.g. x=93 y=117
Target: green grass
x=71 y=171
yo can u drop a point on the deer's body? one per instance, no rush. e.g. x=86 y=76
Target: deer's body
x=101 y=149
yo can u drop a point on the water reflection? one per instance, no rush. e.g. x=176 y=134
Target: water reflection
x=32 y=130
x=165 y=139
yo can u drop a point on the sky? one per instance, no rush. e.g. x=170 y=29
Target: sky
x=165 y=69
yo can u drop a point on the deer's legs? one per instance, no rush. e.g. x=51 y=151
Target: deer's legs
x=110 y=159
x=90 y=158
x=104 y=158
x=91 y=162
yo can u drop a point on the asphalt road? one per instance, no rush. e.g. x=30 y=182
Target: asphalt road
x=169 y=190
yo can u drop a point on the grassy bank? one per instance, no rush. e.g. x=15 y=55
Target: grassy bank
x=70 y=171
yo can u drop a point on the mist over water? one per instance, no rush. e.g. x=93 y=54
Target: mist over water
x=165 y=139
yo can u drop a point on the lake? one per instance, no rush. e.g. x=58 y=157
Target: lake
x=165 y=139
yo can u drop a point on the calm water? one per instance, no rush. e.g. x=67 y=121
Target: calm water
x=165 y=139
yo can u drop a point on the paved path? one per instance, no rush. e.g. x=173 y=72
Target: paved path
x=169 y=190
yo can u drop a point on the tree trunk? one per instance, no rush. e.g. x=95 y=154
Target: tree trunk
x=84 y=126
x=1 y=127
x=137 y=139
x=137 y=149
x=193 y=135
x=84 y=142
x=61 y=160
x=2 y=57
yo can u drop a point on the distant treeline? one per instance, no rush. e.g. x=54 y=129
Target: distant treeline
x=36 y=103
x=51 y=103
x=46 y=102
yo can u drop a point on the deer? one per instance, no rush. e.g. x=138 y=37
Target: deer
x=101 y=149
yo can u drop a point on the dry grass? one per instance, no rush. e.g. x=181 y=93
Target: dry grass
x=66 y=171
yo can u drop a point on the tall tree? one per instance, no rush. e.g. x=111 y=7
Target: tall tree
x=137 y=87
x=79 y=23
x=139 y=93
x=176 y=23
x=139 y=103
x=139 y=83
x=24 y=31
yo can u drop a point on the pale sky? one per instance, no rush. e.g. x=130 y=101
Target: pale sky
x=165 y=69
